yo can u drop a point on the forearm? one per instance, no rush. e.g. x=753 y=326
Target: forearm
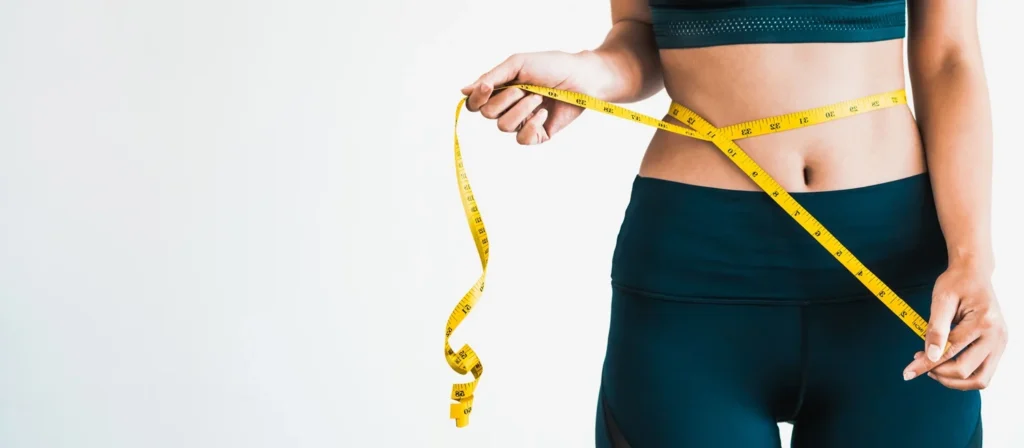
x=952 y=107
x=627 y=64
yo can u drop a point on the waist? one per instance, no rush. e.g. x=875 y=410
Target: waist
x=688 y=242
x=737 y=83
x=865 y=149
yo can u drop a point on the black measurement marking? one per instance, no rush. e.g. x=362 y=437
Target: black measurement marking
x=460 y=393
x=690 y=120
x=775 y=193
x=581 y=102
x=876 y=103
x=796 y=213
x=853 y=108
x=839 y=253
x=449 y=332
x=860 y=273
x=895 y=100
x=746 y=131
x=903 y=313
x=804 y=120
x=609 y=110
x=753 y=173
x=830 y=114
x=775 y=126
x=881 y=293
x=552 y=94
x=635 y=117
x=675 y=111
x=817 y=233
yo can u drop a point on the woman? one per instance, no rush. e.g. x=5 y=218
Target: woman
x=727 y=318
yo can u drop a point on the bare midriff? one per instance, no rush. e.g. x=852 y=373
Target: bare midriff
x=736 y=83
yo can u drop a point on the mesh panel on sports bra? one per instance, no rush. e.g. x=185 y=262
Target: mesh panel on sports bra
x=701 y=23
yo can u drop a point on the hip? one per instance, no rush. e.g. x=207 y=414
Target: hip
x=688 y=242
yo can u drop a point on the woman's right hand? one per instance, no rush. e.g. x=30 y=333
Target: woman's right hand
x=534 y=118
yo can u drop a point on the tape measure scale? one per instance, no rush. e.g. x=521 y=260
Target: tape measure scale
x=465 y=360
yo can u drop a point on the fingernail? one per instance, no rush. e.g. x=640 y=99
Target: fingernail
x=917 y=355
x=934 y=352
x=908 y=375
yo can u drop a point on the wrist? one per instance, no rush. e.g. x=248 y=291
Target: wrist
x=971 y=259
x=596 y=75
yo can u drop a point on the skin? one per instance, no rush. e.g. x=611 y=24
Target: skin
x=951 y=138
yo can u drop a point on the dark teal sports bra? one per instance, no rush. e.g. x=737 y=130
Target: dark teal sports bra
x=704 y=23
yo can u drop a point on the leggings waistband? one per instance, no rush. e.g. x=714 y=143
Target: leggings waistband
x=688 y=242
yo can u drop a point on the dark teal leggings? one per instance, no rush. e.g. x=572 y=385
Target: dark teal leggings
x=728 y=318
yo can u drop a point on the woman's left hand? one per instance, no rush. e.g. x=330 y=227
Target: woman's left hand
x=964 y=297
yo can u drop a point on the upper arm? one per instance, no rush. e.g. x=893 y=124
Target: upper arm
x=941 y=33
x=632 y=10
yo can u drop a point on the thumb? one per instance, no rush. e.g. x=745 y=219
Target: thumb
x=500 y=74
x=944 y=306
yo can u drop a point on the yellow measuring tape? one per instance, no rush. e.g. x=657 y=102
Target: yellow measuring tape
x=465 y=359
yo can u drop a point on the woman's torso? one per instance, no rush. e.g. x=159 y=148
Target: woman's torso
x=728 y=84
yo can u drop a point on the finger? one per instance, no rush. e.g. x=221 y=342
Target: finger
x=478 y=97
x=533 y=131
x=944 y=307
x=504 y=72
x=517 y=114
x=499 y=103
x=988 y=369
x=980 y=380
x=962 y=336
x=565 y=114
x=966 y=363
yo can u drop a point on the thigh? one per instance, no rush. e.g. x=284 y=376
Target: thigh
x=703 y=375
x=856 y=395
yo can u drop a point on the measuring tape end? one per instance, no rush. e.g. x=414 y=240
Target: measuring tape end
x=460 y=412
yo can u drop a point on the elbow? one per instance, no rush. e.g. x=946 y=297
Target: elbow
x=949 y=60
x=956 y=59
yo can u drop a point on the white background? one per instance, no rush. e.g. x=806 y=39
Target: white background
x=236 y=224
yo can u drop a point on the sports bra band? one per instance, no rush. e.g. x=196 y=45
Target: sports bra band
x=682 y=27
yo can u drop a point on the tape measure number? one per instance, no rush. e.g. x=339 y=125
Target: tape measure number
x=465 y=360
